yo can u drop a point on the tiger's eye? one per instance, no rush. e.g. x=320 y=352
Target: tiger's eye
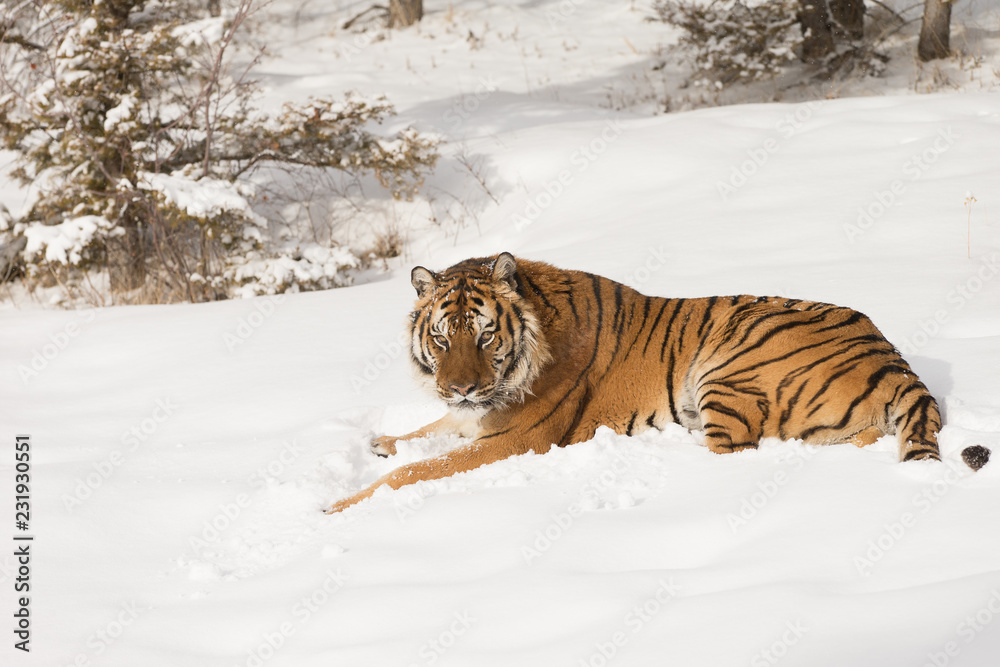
x=441 y=342
x=486 y=339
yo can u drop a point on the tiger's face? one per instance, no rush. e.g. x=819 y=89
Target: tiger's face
x=475 y=341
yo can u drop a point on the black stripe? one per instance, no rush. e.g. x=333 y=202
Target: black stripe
x=572 y=307
x=679 y=338
x=566 y=439
x=541 y=295
x=514 y=361
x=891 y=403
x=760 y=342
x=728 y=411
x=826 y=386
x=708 y=315
x=640 y=328
x=652 y=329
x=919 y=425
x=793 y=375
x=901 y=392
x=789 y=406
x=424 y=368
x=761 y=319
x=595 y=286
x=733 y=445
x=865 y=354
x=666 y=334
x=913 y=453
x=711 y=392
x=873 y=381
x=645 y=312
x=631 y=423
x=618 y=323
x=424 y=325
x=670 y=388
x=853 y=319
x=788 y=355
x=918 y=405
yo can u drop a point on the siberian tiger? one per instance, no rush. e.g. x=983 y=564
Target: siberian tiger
x=528 y=356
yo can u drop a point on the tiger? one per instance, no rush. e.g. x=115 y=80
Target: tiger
x=527 y=356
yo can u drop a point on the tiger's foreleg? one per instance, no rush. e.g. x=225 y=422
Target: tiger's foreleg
x=450 y=424
x=461 y=459
x=542 y=422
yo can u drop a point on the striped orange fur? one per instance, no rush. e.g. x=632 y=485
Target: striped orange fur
x=528 y=356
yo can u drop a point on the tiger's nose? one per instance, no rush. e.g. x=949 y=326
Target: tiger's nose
x=464 y=391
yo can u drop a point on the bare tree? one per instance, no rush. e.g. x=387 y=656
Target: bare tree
x=824 y=22
x=817 y=31
x=405 y=12
x=397 y=14
x=934 y=34
x=849 y=16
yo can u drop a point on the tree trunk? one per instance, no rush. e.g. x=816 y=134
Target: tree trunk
x=127 y=257
x=935 y=32
x=817 y=32
x=405 y=12
x=849 y=16
x=10 y=255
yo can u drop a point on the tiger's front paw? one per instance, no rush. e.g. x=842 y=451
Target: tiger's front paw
x=342 y=505
x=384 y=445
x=338 y=507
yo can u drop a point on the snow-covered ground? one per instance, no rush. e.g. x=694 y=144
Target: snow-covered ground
x=181 y=454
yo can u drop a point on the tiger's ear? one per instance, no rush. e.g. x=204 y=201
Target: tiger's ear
x=422 y=280
x=504 y=269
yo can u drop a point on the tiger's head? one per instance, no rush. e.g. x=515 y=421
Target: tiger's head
x=475 y=339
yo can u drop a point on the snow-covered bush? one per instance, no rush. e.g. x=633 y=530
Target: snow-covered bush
x=729 y=41
x=291 y=268
x=68 y=242
x=740 y=41
x=137 y=141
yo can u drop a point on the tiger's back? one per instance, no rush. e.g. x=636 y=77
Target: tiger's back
x=740 y=368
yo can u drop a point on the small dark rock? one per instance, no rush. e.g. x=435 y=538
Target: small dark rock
x=976 y=456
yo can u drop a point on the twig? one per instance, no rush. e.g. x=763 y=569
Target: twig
x=890 y=10
x=464 y=160
x=970 y=200
x=213 y=80
x=889 y=33
x=17 y=40
x=347 y=24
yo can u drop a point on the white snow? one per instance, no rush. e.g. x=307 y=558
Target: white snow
x=209 y=30
x=65 y=242
x=123 y=112
x=201 y=197
x=310 y=263
x=182 y=454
